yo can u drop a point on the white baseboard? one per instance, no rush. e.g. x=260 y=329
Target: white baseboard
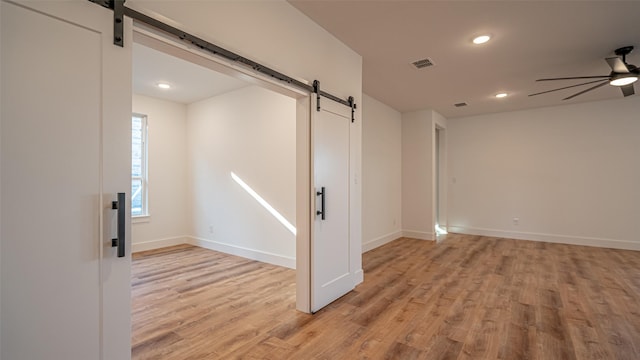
x=420 y=235
x=370 y=245
x=275 y=259
x=359 y=276
x=551 y=238
x=157 y=244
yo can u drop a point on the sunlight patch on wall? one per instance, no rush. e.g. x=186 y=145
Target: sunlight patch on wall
x=264 y=204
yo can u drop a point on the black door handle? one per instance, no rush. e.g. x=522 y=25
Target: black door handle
x=321 y=193
x=119 y=241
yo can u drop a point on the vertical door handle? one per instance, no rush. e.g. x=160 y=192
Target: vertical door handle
x=119 y=241
x=321 y=193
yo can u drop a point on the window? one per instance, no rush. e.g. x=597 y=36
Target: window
x=139 y=166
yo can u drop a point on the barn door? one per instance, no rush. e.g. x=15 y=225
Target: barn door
x=65 y=153
x=331 y=275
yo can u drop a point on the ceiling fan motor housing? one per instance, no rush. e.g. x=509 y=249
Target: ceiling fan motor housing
x=624 y=51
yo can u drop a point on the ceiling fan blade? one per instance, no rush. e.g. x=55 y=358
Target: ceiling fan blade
x=627 y=90
x=566 y=87
x=617 y=65
x=575 y=78
x=587 y=90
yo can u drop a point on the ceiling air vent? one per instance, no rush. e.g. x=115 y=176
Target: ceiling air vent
x=420 y=64
x=460 y=104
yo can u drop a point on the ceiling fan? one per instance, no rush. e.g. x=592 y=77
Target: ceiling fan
x=622 y=75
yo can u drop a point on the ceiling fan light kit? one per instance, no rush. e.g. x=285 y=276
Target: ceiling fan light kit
x=622 y=75
x=622 y=80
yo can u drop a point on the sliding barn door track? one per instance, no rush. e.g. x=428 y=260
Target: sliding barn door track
x=120 y=11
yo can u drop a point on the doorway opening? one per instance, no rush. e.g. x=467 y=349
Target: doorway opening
x=224 y=166
x=439 y=179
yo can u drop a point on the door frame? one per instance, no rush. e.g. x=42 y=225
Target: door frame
x=146 y=36
x=439 y=181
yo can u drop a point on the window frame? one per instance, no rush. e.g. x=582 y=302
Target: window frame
x=144 y=169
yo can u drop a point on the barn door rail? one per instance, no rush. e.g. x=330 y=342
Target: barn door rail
x=120 y=11
x=349 y=102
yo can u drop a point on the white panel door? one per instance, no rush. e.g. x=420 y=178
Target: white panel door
x=331 y=275
x=65 y=152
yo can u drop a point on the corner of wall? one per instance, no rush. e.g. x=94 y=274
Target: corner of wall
x=417 y=175
x=167 y=171
x=439 y=119
x=159 y=243
x=253 y=254
x=381 y=173
x=381 y=240
x=439 y=175
x=420 y=235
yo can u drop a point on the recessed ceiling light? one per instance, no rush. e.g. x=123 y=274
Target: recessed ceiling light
x=501 y=95
x=481 y=39
x=164 y=86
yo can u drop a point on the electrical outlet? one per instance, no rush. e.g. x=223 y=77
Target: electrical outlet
x=210 y=229
x=516 y=221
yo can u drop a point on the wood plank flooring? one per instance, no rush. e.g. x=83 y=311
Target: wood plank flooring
x=469 y=297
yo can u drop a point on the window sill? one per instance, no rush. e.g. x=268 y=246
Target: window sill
x=140 y=219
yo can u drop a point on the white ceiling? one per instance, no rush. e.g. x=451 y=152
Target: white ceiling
x=531 y=40
x=189 y=82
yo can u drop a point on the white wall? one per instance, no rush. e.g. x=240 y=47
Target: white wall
x=381 y=173
x=569 y=173
x=1 y=87
x=273 y=33
x=167 y=223
x=252 y=133
x=418 y=173
x=192 y=151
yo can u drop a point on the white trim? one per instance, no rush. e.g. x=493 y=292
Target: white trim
x=140 y=219
x=159 y=243
x=252 y=254
x=157 y=40
x=303 y=204
x=379 y=241
x=551 y=238
x=271 y=258
x=358 y=277
x=420 y=235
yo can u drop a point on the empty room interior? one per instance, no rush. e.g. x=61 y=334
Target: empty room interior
x=321 y=180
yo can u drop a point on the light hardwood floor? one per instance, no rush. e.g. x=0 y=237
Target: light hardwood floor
x=468 y=297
